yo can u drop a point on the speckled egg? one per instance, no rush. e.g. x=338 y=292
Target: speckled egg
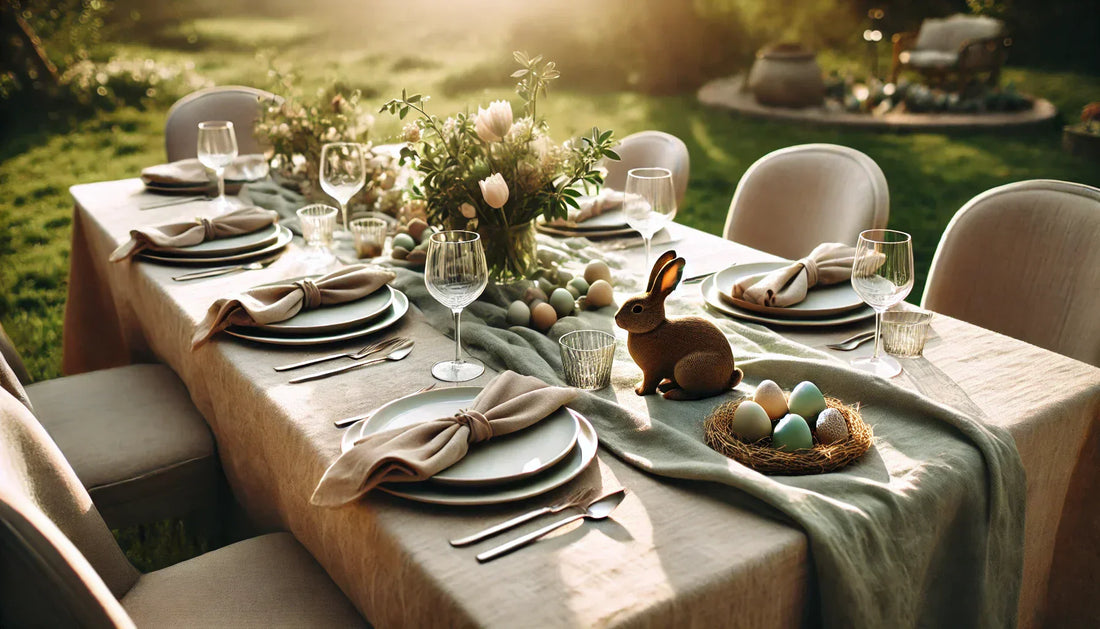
x=792 y=433
x=534 y=292
x=543 y=316
x=600 y=294
x=750 y=422
x=831 y=427
x=770 y=396
x=806 y=400
x=579 y=284
x=597 y=270
x=518 y=314
x=404 y=241
x=562 y=301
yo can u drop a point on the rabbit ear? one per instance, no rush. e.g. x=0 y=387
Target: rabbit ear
x=658 y=266
x=669 y=277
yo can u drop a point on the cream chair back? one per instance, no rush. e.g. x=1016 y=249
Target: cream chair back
x=796 y=198
x=650 y=149
x=1024 y=260
x=238 y=104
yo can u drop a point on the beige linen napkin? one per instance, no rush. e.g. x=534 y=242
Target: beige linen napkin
x=185 y=234
x=192 y=172
x=828 y=263
x=413 y=453
x=591 y=207
x=279 y=302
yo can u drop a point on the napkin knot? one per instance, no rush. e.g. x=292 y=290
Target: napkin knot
x=208 y=232
x=480 y=430
x=810 y=265
x=311 y=294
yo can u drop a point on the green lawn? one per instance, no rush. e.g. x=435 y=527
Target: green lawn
x=930 y=175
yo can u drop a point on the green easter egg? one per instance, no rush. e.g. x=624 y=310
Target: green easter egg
x=405 y=241
x=792 y=433
x=806 y=400
x=562 y=301
x=546 y=285
x=518 y=314
x=580 y=285
x=573 y=291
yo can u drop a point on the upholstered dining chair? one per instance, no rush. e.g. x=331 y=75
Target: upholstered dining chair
x=650 y=148
x=236 y=103
x=1024 y=260
x=795 y=198
x=136 y=441
x=60 y=565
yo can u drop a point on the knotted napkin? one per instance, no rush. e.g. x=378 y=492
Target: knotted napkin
x=591 y=207
x=188 y=172
x=414 y=453
x=185 y=234
x=279 y=302
x=828 y=263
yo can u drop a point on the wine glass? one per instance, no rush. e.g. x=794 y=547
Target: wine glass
x=343 y=173
x=649 y=203
x=217 y=148
x=455 y=274
x=882 y=275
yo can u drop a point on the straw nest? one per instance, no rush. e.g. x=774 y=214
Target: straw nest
x=762 y=457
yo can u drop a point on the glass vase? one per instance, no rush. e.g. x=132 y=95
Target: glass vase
x=511 y=252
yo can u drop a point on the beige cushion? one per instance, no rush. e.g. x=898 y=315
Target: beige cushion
x=1024 y=260
x=932 y=58
x=647 y=149
x=134 y=438
x=948 y=34
x=267 y=581
x=238 y=104
x=794 y=199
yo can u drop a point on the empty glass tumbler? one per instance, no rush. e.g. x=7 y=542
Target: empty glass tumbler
x=587 y=357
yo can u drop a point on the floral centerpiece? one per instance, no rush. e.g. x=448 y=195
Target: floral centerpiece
x=494 y=174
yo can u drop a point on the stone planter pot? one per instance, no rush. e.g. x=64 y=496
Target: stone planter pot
x=1077 y=141
x=787 y=75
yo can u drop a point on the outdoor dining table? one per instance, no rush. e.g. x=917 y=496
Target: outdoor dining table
x=674 y=553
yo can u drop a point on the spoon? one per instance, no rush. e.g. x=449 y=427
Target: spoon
x=399 y=353
x=597 y=510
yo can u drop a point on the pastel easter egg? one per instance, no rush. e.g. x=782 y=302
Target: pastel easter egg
x=562 y=301
x=831 y=426
x=519 y=313
x=543 y=316
x=750 y=422
x=417 y=256
x=806 y=400
x=770 y=396
x=404 y=241
x=792 y=433
x=534 y=292
x=573 y=291
x=399 y=253
x=580 y=285
x=546 y=286
x=564 y=277
x=597 y=270
x=600 y=294
x=417 y=226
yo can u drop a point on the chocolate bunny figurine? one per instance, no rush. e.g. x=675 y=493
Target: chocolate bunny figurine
x=687 y=358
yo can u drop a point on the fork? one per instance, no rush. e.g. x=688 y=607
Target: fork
x=853 y=342
x=576 y=499
x=348 y=421
x=356 y=355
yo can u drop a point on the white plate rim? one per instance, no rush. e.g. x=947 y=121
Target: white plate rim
x=587 y=445
x=280 y=328
x=792 y=312
x=357 y=430
x=400 y=307
x=267 y=239
x=708 y=286
x=285 y=236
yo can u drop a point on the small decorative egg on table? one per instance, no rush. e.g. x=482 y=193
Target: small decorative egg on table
x=556 y=294
x=411 y=242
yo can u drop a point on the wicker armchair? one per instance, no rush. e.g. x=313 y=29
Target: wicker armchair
x=961 y=45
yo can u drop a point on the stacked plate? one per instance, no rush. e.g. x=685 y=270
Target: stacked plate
x=257 y=244
x=333 y=323
x=513 y=467
x=245 y=169
x=610 y=224
x=837 y=304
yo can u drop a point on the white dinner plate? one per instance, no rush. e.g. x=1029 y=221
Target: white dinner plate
x=335 y=317
x=499 y=460
x=713 y=298
x=611 y=219
x=221 y=247
x=568 y=469
x=820 y=301
x=284 y=238
x=399 y=306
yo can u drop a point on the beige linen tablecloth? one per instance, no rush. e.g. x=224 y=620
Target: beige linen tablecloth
x=672 y=555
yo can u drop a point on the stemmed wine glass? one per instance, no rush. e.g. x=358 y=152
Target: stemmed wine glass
x=343 y=173
x=650 y=203
x=217 y=148
x=882 y=275
x=455 y=274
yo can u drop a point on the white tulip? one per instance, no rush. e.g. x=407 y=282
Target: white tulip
x=495 y=190
x=469 y=211
x=493 y=123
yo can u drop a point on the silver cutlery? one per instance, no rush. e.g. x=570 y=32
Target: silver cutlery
x=348 y=421
x=596 y=510
x=399 y=353
x=175 y=201
x=225 y=270
x=576 y=499
x=373 y=348
x=696 y=279
x=853 y=342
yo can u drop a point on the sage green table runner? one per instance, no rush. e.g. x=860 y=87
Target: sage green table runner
x=925 y=530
